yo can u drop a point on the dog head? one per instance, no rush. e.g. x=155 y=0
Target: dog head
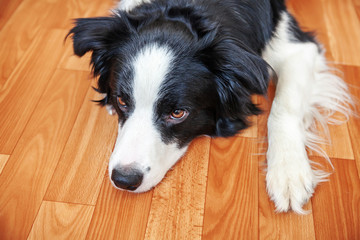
x=172 y=75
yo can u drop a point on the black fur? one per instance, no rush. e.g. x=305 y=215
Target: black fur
x=218 y=65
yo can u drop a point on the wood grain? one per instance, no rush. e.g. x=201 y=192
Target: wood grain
x=339 y=145
x=177 y=207
x=119 y=215
x=282 y=225
x=336 y=203
x=352 y=75
x=343 y=27
x=87 y=152
x=273 y=225
x=70 y=61
x=7 y=8
x=24 y=26
x=311 y=17
x=31 y=17
x=3 y=160
x=27 y=174
x=55 y=144
x=231 y=210
x=61 y=221
x=250 y=132
x=357 y=7
x=21 y=93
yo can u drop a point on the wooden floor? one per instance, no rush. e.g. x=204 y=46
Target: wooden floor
x=55 y=144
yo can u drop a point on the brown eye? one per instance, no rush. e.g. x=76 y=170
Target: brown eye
x=178 y=114
x=121 y=102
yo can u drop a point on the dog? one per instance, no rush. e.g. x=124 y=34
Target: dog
x=173 y=70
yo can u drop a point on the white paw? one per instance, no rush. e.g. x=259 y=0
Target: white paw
x=111 y=110
x=290 y=181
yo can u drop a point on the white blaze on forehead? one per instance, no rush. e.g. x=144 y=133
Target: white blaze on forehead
x=150 y=68
x=139 y=142
x=138 y=139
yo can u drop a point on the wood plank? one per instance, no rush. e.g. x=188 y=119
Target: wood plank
x=310 y=15
x=343 y=27
x=24 y=27
x=72 y=62
x=7 y=8
x=28 y=172
x=352 y=74
x=34 y=15
x=336 y=203
x=3 y=160
x=87 y=152
x=19 y=96
x=336 y=23
x=231 y=210
x=282 y=225
x=177 y=207
x=119 y=214
x=345 y=137
x=273 y=225
x=61 y=221
x=357 y=7
x=62 y=13
x=339 y=145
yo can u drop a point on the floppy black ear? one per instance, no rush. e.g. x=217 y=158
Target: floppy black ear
x=240 y=73
x=97 y=34
x=102 y=36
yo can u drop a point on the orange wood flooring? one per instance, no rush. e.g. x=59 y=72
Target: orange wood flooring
x=55 y=144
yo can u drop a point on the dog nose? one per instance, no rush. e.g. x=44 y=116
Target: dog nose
x=125 y=178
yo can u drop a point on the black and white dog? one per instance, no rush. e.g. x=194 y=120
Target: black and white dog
x=173 y=70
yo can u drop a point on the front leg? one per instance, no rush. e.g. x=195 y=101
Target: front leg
x=306 y=92
x=290 y=179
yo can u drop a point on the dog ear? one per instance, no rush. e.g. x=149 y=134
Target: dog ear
x=240 y=73
x=102 y=36
x=98 y=34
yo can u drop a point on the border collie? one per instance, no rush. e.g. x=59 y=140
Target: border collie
x=173 y=70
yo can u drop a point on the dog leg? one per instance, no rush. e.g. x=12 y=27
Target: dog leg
x=306 y=92
x=290 y=179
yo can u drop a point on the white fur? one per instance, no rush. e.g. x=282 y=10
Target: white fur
x=128 y=5
x=306 y=92
x=125 y=5
x=110 y=109
x=139 y=143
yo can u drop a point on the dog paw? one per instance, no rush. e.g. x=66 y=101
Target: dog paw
x=110 y=109
x=291 y=184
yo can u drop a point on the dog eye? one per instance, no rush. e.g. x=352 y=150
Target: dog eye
x=121 y=102
x=179 y=114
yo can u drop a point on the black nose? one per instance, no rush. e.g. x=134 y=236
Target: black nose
x=125 y=178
